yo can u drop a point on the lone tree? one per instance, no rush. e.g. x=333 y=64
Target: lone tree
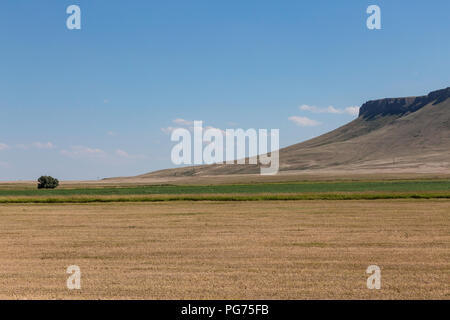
x=47 y=182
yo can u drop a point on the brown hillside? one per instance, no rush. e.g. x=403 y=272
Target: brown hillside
x=392 y=135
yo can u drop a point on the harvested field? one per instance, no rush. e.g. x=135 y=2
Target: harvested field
x=227 y=250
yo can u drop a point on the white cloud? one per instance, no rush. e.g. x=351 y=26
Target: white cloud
x=3 y=146
x=82 y=151
x=189 y=125
x=213 y=128
x=183 y=122
x=37 y=145
x=78 y=152
x=40 y=145
x=353 y=111
x=305 y=107
x=304 y=121
x=123 y=154
x=4 y=164
x=332 y=109
x=180 y=122
x=168 y=130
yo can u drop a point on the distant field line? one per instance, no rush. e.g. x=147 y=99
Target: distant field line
x=219 y=197
x=307 y=188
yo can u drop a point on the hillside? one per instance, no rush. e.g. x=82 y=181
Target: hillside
x=409 y=134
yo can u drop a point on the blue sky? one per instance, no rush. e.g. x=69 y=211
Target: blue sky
x=97 y=102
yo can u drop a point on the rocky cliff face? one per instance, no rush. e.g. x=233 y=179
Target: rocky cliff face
x=400 y=106
x=372 y=143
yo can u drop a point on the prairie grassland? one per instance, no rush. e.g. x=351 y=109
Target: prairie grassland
x=230 y=250
x=221 y=197
x=387 y=186
x=304 y=190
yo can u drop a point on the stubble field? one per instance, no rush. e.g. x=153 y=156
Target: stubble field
x=227 y=250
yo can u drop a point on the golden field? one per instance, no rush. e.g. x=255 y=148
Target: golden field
x=227 y=250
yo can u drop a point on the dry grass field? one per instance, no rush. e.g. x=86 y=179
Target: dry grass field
x=227 y=250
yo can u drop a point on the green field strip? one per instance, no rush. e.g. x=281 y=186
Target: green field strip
x=418 y=186
x=221 y=197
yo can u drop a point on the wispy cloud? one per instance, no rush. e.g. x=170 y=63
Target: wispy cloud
x=168 y=130
x=304 y=121
x=36 y=145
x=82 y=152
x=123 y=154
x=45 y=145
x=349 y=110
x=4 y=164
x=178 y=121
x=3 y=146
x=183 y=122
x=214 y=128
x=188 y=124
x=354 y=111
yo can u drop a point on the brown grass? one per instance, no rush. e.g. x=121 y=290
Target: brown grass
x=215 y=250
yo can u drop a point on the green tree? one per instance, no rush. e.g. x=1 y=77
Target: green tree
x=47 y=182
